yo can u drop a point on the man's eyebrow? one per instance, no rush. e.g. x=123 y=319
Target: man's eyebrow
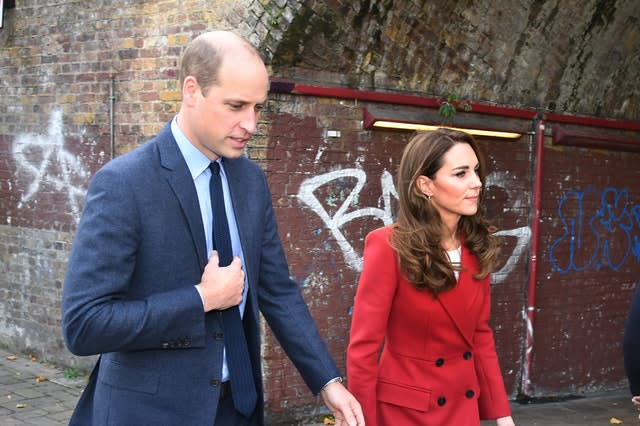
x=243 y=101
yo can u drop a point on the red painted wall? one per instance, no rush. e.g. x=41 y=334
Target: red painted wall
x=589 y=267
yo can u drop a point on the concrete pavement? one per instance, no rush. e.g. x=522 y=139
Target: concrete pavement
x=33 y=393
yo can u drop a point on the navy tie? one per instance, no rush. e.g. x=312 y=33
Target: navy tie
x=243 y=389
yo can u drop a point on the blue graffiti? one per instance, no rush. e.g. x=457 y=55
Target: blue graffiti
x=597 y=231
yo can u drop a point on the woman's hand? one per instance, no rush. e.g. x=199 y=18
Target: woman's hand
x=505 y=421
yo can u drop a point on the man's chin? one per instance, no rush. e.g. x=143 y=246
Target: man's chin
x=233 y=153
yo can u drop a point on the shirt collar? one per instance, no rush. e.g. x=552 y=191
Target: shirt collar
x=196 y=161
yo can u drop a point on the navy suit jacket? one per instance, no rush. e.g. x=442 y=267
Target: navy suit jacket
x=129 y=292
x=631 y=344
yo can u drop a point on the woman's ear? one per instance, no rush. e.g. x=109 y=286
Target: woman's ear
x=425 y=185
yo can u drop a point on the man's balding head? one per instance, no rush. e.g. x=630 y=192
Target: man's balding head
x=204 y=55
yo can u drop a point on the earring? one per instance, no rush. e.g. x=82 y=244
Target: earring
x=429 y=197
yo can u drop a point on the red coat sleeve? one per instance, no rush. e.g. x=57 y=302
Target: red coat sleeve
x=493 y=402
x=372 y=304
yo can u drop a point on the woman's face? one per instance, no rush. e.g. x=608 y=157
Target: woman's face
x=455 y=188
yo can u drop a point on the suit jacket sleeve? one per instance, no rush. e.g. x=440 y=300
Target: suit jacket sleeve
x=115 y=298
x=281 y=301
x=631 y=345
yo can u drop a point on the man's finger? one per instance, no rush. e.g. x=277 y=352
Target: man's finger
x=349 y=419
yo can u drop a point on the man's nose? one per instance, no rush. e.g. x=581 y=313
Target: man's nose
x=250 y=121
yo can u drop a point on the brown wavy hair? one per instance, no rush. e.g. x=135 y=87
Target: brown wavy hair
x=417 y=233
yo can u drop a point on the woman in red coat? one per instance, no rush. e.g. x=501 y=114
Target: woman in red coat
x=421 y=352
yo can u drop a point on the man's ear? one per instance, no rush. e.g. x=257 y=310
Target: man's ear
x=425 y=185
x=190 y=90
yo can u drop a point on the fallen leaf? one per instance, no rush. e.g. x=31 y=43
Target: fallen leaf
x=21 y=405
x=615 y=421
x=329 y=421
x=40 y=379
x=12 y=358
x=33 y=358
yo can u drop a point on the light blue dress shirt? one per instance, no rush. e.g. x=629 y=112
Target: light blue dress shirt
x=198 y=165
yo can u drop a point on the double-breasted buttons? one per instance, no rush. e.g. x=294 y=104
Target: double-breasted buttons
x=215 y=382
x=442 y=400
x=439 y=362
x=218 y=335
x=469 y=394
x=467 y=355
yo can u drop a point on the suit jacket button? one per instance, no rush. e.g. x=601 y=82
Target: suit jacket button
x=439 y=362
x=469 y=394
x=214 y=382
x=442 y=400
x=467 y=355
x=218 y=336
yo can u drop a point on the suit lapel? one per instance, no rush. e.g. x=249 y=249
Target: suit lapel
x=243 y=197
x=177 y=174
x=242 y=191
x=460 y=302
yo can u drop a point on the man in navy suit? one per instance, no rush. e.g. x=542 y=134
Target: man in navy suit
x=144 y=287
x=631 y=348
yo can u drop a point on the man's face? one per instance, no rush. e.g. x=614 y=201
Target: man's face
x=223 y=121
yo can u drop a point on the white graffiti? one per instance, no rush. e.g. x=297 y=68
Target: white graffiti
x=523 y=234
x=43 y=159
x=342 y=216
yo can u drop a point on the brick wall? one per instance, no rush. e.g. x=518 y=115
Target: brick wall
x=58 y=66
x=589 y=268
x=33 y=262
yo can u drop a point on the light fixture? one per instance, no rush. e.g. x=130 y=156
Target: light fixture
x=403 y=120
x=427 y=127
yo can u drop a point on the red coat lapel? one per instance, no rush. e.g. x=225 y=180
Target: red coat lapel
x=460 y=302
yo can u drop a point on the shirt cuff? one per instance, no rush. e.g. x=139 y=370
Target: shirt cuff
x=334 y=380
x=200 y=294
